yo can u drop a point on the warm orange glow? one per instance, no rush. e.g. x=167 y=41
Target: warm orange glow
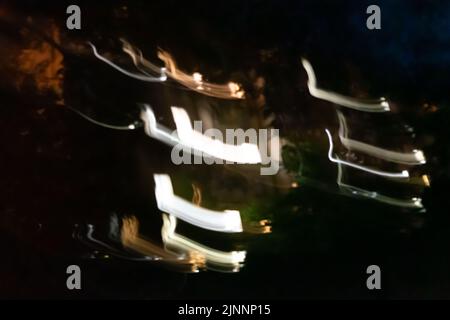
x=193 y=81
x=131 y=239
x=197 y=196
x=43 y=63
x=260 y=227
x=426 y=180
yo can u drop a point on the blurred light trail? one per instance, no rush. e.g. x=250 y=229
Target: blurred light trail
x=426 y=180
x=131 y=239
x=413 y=203
x=400 y=175
x=178 y=242
x=195 y=82
x=243 y=153
x=191 y=140
x=259 y=227
x=141 y=77
x=131 y=126
x=380 y=105
x=157 y=131
x=102 y=246
x=197 y=196
x=222 y=221
x=415 y=157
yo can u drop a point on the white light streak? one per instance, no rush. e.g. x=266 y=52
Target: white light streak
x=190 y=140
x=179 y=242
x=222 y=221
x=415 y=157
x=157 y=131
x=400 y=175
x=243 y=153
x=141 y=77
x=380 y=105
x=413 y=203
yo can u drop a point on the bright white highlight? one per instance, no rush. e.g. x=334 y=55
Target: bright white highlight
x=157 y=131
x=401 y=175
x=243 y=153
x=380 y=105
x=187 y=138
x=222 y=221
x=416 y=157
x=179 y=242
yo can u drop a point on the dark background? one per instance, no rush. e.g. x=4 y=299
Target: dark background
x=66 y=171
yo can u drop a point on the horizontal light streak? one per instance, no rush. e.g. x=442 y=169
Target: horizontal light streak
x=400 y=175
x=380 y=105
x=416 y=157
x=413 y=203
x=179 y=242
x=191 y=140
x=222 y=221
x=141 y=77
x=194 y=81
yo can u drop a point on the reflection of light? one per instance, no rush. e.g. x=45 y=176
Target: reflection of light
x=197 y=196
x=236 y=90
x=223 y=221
x=141 y=77
x=179 y=242
x=243 y=153
x=131 y=239
x=188 y=138
x=380 y=105
x=401 y=175
x=194 y=81
x=131 y=126
x=155 y=130
x=265 y=226
x=110 y=249
x=197 y=77
x=415 y=203
x=426 y=180
x=413 y=158
x=259 y=227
